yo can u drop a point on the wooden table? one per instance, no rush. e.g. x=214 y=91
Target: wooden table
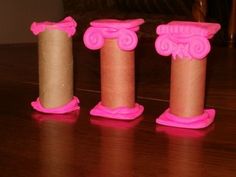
x=87 y=146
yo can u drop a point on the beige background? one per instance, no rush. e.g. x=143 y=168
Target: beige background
x=16 y=17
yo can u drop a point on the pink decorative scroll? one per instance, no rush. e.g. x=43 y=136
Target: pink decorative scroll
x=185 y=39
x=124 y=31
x=67 y=25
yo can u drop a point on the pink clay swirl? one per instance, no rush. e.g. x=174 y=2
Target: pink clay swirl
x=199 y=47
x=164 y=46
x=185 y=39
x=127 y=40
x=93 y=38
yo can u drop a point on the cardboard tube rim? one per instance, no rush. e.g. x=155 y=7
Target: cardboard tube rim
x=187 y=89
x=117 y=76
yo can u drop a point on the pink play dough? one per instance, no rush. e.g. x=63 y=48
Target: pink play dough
x=121 y=113
x=197 y=122
x=71 y=106
x=185 y=39
x=122 y=30
x=67 y=25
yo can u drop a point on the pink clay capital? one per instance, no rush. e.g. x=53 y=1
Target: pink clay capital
x=67 y=25
x=122 y=30
x=185 y=39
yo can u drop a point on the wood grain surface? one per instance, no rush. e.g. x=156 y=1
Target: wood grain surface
x=76 y=144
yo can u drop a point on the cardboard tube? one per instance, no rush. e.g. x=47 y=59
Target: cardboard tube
x=117 y=76
x=55 y=68
x=187 y=93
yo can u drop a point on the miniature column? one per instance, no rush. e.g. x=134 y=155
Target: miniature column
x=117 y=40
x=55 y=66
x=188 y=44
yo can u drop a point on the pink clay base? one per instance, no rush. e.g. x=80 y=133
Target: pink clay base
x=121 y=113
x=69 y=107
x=67 y=25
x=196 y=122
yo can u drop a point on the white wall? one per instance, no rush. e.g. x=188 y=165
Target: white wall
x=16 y=17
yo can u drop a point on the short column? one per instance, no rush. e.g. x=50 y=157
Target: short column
x=55 y=66
x=187 y=43
x=117 y=40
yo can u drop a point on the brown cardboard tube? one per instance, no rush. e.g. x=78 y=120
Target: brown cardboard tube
x=187 y=92
x=55 y=68
x=117 y=76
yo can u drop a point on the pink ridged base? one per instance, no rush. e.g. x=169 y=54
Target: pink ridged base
x=196 y=122
x=69 y=107
x=121 y=113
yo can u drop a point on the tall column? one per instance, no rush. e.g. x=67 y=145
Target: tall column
x=117 y=40
x=55 y=66
x=188 y=44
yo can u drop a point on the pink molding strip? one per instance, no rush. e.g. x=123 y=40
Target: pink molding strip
x=196 y=122
x=185 y=39
x=69 y=107
x=67 y=25
x=121 y=113
x=123 y=30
